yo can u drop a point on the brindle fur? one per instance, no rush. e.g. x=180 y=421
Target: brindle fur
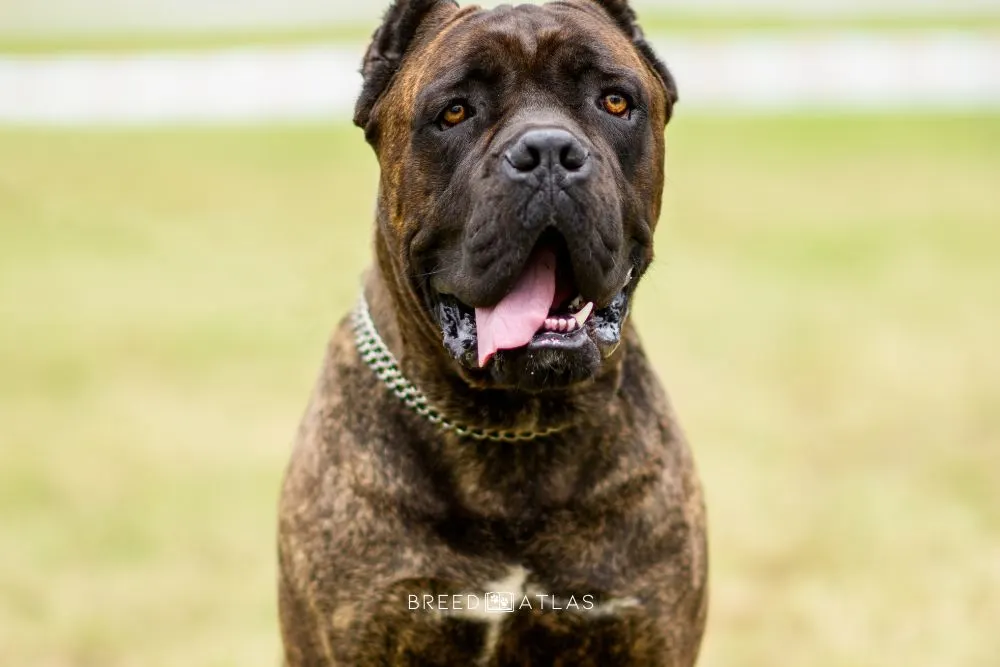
x=379 y=504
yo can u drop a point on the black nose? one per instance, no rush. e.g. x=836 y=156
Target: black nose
x=551 y=149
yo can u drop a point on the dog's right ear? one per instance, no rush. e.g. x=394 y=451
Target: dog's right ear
x=624 y=16
x=389 y=44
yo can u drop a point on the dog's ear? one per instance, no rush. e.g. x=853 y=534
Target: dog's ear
x=389 y=44
x=625 y=17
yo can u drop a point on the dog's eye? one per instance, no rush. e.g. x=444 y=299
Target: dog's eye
x=455 y=114
x=616 y=105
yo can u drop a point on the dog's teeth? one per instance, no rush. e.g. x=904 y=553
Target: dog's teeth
x=582 y=316
x=576 y=303
x=567 y=324
x=628 y=278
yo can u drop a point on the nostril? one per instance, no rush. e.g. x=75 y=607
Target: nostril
x=524 y=157
x=572 y=157
x=534 y=158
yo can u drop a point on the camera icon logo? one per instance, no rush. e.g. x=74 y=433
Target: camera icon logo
x=500 y=602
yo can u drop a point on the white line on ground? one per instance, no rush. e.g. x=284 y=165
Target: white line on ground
x=831 y=71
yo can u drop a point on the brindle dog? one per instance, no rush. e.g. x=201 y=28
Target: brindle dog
x=446 y=454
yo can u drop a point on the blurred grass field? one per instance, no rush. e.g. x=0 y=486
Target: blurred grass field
x=823 y=310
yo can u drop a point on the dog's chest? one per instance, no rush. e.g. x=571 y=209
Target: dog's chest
x=519 y=620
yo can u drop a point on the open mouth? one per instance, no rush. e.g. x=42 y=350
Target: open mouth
x=544 y=309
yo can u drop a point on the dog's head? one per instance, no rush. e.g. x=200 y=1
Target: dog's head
x=521 y=151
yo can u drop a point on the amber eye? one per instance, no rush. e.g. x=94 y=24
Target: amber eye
x=615 y=104
x=454 y=115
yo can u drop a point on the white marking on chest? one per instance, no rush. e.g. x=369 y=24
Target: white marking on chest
x=516 y=589
x=582 y=604
x=512 y=584
x=613 y=607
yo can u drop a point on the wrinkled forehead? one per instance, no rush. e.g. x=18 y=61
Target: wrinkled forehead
x=554 y=39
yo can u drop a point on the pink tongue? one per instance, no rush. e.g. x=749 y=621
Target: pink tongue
x=512 y=322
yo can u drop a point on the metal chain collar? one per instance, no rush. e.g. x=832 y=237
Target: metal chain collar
x=377 y=356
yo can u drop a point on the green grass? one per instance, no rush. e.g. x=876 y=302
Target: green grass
x=656 y=23
x=823 y=310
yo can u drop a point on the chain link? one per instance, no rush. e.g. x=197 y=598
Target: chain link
x=377 y=356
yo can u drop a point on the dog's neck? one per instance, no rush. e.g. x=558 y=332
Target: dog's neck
x=603 y=447
x=408 y=333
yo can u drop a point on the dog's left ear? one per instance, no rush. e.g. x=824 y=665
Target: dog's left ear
x=625 y=17
x=389 y=44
